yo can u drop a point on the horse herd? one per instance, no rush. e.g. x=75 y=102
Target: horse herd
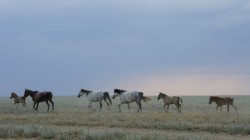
x=126 y=97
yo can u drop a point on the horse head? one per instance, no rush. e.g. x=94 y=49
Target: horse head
x=118 y=92
x=80 y=93
x=83 y=92
x=12 y=95
x=211 y=99
x=28 y=92
x=161 y=95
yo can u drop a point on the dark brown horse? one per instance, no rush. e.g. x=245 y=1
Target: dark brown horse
x=38 y=97
x=222 y=101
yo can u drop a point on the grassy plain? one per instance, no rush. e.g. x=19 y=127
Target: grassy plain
x=72 y=120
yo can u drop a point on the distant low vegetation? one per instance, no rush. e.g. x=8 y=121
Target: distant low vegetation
x=72 y=119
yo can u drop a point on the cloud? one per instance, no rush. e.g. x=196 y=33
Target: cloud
x=189 y=84
x=126 y=42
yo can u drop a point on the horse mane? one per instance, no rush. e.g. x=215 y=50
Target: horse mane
x=30 y=91
x=86 y=91
x=215 y=97
x=119 y=91
x=163 y=94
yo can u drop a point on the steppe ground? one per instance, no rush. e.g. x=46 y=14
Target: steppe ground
x=71 y=119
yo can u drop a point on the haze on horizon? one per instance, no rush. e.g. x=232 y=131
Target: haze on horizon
x=176 y=47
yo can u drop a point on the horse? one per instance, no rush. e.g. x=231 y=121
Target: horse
x=170 y=100
x=96 y=96
x=222 y=101
x=129 y=97
x=38 y=97
x=17 y=99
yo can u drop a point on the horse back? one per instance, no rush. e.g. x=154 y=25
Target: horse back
x=43 y=96
x=96 y=96
x=172 y=99
x=223 y=101
x=129 y=96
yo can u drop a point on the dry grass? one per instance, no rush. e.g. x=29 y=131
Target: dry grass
x=72 y=120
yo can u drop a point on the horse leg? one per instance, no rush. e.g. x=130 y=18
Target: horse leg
x=50 y=100
x=217 y=107
x=221 y=108
x=167 y=107
x=90 y=105
x=128 y=107
x=47 y=105
x=14 y=105
x=37 y=105
x=164 y=107
x=235 y=108
x=100 y=106
x=23 y=104
x=120 y=107
x=34 y=105
x=177 y=107
x=107 y=104
x=227 y=108
x=139 y=104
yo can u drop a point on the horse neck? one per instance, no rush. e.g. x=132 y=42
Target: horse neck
x=90 y=95
x=120 y=94
x=32 y=95
x=85 y=91
x=16 y=98
x=218 y=100
x=164 y=96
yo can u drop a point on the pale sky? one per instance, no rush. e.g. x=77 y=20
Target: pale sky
x=177 y=47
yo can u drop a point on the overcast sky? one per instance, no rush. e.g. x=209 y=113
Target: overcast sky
x=179 y=47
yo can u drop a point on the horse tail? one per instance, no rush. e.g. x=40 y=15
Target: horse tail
x=106 y=96
x=180 y=99
x=144 y=98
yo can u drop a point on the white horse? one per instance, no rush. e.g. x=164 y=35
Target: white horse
x=96 y=97
x=129 y=97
